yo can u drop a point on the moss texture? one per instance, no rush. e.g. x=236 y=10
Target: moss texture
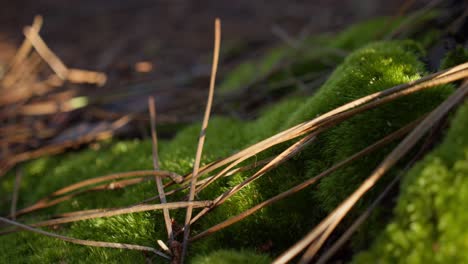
x=430 y=219
x=372 y=68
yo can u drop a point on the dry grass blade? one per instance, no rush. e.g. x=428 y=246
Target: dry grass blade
x=188 y=216
x=13 y=71
x=347 y=234
x=85 y=242
x=395 y=135
x=282 y=157
x=99 y=213
x=318 y=235
x=158 y=179
x=358 y=222
x=201 y=182
x=85 y=76
x=62 y=71
x=114 y=176
x=8 y=163
x=46 y=202
x=26 y=46
x=47 y=55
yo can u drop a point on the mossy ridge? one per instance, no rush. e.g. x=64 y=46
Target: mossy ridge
x=225 y=136
x=373 y=68
x=370 y=69
x=429 y=225
x=389 y=65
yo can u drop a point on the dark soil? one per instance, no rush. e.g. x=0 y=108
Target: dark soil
x=175 y=37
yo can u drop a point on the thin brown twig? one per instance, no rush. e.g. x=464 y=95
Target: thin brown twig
x=317 y=236
x=382 y=142
x=8 y=163
x=99 y=213
x=85 y=242
x=14 y=199
x=140 y=176
x=46 y=202
x=110 y=177
x=282 y=157
x=21 y=55
x=26 y=46
x=86 y=76
x=299 y=145
x=47 y=55
x=16 y=83
x=201 y=140
x=60 y=69
x=201 y=182
x=159 y=183
x=125 y=183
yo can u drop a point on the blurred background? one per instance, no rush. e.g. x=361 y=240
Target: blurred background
x=148 y=48
x=141 y=40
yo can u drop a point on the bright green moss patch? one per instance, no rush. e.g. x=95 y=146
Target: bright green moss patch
x=430 y=219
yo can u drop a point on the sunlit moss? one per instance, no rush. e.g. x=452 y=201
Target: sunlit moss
x=430 y=219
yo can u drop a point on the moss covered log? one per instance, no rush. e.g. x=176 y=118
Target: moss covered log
x=371 y=68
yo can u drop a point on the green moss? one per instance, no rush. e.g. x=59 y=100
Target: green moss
x=370 y=69
x=246 y=72
x=457 y=56
x=33 y=248
x=430 y=219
